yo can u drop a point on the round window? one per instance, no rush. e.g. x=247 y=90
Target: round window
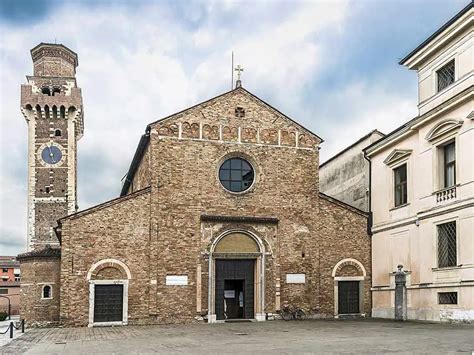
x=236 y=174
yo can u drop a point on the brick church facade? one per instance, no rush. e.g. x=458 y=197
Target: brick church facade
x=220 y=217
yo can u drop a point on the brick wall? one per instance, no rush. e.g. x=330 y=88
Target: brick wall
x=116 y=230
x=35 y=273
x=159 y=231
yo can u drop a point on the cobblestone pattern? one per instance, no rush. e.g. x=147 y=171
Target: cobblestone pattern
x=277 y=337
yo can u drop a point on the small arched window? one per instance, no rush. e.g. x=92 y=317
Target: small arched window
x=56 y=91
x=57 y=133
x=46 y=91
x=47 y=292
x=62 y=112
x=46 y=112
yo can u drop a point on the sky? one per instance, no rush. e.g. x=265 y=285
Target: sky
x=330 y=65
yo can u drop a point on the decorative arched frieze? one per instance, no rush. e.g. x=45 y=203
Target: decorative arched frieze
x=190 y=130
x=169 y=131
x=396 y=156
x=348 y=262
x=230 y=134
x=210 y=132
x=249 y=135
x=288 y=138
x=442 y=128
x=269 y=136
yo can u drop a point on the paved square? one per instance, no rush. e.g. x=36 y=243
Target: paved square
x=311 y=336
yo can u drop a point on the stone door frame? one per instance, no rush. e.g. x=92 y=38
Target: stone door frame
x=259 y=278
x=104 y=263
x=361 y=280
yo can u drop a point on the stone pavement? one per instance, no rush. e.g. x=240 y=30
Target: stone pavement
x=311 y=336
x=4 y=325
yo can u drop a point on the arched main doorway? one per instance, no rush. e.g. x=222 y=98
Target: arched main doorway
x=236 y=277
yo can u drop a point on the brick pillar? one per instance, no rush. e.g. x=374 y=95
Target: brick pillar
x=400 y=294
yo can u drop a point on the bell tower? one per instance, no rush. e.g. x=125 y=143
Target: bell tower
x=51 y=103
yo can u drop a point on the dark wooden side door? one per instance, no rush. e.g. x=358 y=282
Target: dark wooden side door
x=235 y=269
x=348 y=297
x=108 y=303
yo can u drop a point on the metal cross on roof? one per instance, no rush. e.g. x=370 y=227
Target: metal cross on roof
x=239 y=70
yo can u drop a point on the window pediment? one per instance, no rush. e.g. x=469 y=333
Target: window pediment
x=443 y=128
x=397 y=155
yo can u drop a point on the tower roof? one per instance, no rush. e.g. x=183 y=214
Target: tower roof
x=54 y=50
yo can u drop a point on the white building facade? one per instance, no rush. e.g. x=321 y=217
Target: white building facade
x=422 y=185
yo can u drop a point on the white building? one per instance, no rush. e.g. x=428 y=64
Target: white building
x=422 y=185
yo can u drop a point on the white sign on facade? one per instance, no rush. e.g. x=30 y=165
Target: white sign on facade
x=295 y=278
x=176 y=280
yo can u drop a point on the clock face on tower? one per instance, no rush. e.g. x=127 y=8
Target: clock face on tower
x=51 y=154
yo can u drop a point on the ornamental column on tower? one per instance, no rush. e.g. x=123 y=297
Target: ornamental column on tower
x=51 y=103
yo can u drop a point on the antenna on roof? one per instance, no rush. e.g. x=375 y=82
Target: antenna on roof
x=232 y=72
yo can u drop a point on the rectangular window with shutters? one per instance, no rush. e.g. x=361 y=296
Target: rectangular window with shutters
x=447 y=244
x=449 y=166
x=448 y=298
x=400 y=185
x=445 y=75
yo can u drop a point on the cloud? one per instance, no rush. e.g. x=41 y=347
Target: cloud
x=319 y=62
x=370 y=107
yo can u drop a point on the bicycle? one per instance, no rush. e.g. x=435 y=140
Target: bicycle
x=289 y=312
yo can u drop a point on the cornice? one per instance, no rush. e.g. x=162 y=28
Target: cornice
x=461 y=21
x=243 y=219
x=413 y=124
x=422 y=215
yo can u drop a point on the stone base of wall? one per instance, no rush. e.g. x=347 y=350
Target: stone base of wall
x=386 y=313
x=453 y=315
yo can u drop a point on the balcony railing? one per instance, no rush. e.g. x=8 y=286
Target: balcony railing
x=446 y=194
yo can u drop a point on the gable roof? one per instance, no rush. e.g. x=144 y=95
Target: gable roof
x=240 y=88
x=375 y=131
x=145 y=139
x=439 y=31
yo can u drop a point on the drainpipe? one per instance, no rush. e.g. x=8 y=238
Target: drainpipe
x=369 y=220
x=209 y=289
x=262 y=283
